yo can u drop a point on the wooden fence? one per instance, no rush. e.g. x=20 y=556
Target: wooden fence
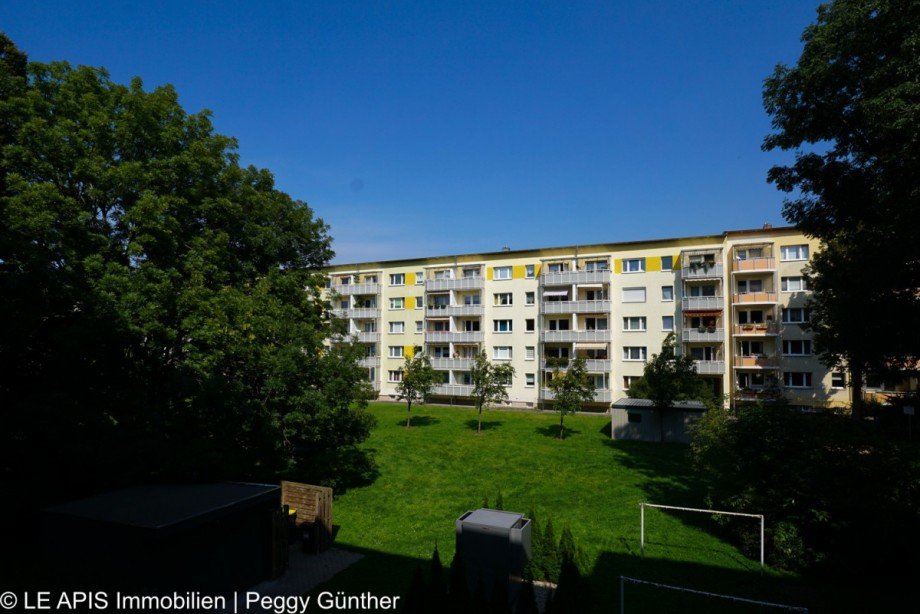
x=313 y=505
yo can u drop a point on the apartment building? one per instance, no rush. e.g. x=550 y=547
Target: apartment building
x=735 y=302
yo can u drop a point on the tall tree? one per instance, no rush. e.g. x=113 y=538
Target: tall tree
x=418 y=378
x=490 y=383
x=162 y=312
x=850 y=110
x=571 y=388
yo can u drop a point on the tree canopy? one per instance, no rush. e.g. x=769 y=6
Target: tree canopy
x=490 y=383
x=162 y=313
x=418 y=378
x=571 y=388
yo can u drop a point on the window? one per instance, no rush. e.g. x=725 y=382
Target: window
x=398 y=279
x=634 y=265
x=634 y=353
x=667 y=293
x=597 y=265
x=503 y=298
x=471 y=299
x=471 y=326
x=397 y=327
x=667 y=322
x=838 y=380
x=370 y=279
x=794 y=284
x=502 y=272
x=793 y=252
x=796 y=315
x=750 y=286
x=471 y=273
x=750 y=348
x=443 y=274
x=345 y=280
x=419 y=326
x=748 y=254
x=753 y=316
x=501 y=326
x=530 y=380
x=420 y=277
x=396 y=351
x=629 y=380
x=395 y=376
x=596 y=324
x=529 y=352
x=634 y=323
x=529 y=325
x=559 y=324
x=667 y=263
x=633 y=417
x=751 y=380
x=528 y=271
x=797 y=347
x=707 y=290
x=706 y=352
x=398 y=302
x=530 y=298
x=633 y=295
x=501 y=352
x=797 y=379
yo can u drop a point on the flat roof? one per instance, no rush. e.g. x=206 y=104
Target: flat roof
x=493 y=518
x=628 y=403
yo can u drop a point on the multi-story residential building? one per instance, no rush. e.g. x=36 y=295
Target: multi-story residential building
x=735 y=302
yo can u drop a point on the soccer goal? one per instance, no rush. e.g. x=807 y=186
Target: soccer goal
x=642 y=507
x=761 y=604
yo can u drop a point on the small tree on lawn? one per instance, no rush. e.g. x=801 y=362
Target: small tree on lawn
x=417 y=381
x=571 y=389
x=489 y=381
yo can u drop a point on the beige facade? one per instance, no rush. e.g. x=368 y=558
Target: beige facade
x=735 y=302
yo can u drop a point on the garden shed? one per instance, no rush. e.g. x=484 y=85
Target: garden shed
x=638 y=419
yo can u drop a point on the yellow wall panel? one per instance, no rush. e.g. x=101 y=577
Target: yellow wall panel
x=517 y=271
x=409 y=351
x=410 y=279
x=410 y=302
x=537 y=268
x=489 y=273
x=653 y=263
x=618 y=265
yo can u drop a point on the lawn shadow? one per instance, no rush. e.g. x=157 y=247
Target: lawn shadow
x=553 y=431
x=420 y=421
x=486 y=424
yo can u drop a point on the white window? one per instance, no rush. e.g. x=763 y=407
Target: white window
x=529 y=352
x=503 y=298
x=370 y=279
x=838 y=380
x=398 y=279
x=419 y=302
x=747 y=286
x=501 y=326
x=530 y=298
x=667 y=263
x=502 y=272
x=528 y=271
x=420 y=277
x=796 y=315
x=667 y=322
x=634 y=353
x=794 y=284
x=797 y=347
x=596 y=324
x=797 y=379
x=396 y=351
x=667 y=293
x=471 y=273
x=471 y=299
x=395 y=376
x=555 y=267
x=707 y=290
x=633 y=295
x=634 y=265
x=629 y=380
x=501 y=352
x=443 y=274
x=597 y=265
x=634 y=323
x=419 y=326
x=748 y=253
x=398 y=302
x=793 y=252
x=397 y=327
x=530 y=380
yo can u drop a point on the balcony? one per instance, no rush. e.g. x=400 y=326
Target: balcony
x=357 y=313
x=452 y=390
x=756 y=329
x=440 y=336
x=710 y=271
x=364 y=337
x=576 y=306
x=601 y=395
x=591 y=364
x=567 y=278
x=754 y=265
x=702 y=303
x=574 y=336
x=446 y=364
x=709 y=367
x=370 y=361
x=692 y=335
x=454 y=310
x=753 y=298
x=757 y=362
x=458 y=283
x=755 y=394
x=351 y=289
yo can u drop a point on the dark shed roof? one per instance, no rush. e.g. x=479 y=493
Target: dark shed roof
x=627 y=403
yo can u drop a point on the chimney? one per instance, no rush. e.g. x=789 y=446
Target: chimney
x=767 y=226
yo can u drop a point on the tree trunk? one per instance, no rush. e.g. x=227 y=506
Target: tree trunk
x=479 y=426
x=409 y=414
x=856 y=383
x=561 y=426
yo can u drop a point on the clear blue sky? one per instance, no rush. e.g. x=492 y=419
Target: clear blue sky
x=429 y=128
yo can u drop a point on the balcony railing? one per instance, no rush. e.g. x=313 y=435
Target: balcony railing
x=690 y=335
x=351 y=289
x=563 y=278
x=453 y=310
x=454 y=336
x=570 y=336
x=453 y=390
x=576 y=306
x=702 y=271
x=444 y=364
x=752 y=265
x=367 y=337
x=710 y=367
x=757 y=362
x=755 y=297
x=754 y=394
x=456 y=283
x=701 y=303
x=370 y=361
x=593 y=365
x=601 y=395
x=357 y=313
x=757 y=328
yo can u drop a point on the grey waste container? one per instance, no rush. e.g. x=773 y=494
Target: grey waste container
x=493 y=545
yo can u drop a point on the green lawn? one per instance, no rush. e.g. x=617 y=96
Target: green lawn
x=440 y=467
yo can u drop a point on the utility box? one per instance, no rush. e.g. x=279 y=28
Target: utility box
x=493 y=545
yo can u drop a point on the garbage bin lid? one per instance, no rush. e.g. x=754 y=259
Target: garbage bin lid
x=493 y=518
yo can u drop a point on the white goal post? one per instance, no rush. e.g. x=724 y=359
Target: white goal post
x=642 y=507
x=683 y=589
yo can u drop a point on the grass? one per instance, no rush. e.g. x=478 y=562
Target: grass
x=441 y=467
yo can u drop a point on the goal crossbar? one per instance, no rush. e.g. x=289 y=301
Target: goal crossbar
x=643 y=505
x=624 y=579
